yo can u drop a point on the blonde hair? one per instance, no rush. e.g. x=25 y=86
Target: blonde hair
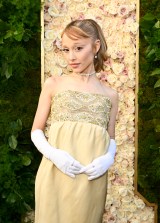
x=88 y=28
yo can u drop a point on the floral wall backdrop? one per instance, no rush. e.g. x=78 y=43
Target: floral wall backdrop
x=118 y=19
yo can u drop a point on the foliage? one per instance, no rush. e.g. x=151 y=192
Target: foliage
x=20 y=70
x=149 y=101
x=19 y=25
x=18 y=158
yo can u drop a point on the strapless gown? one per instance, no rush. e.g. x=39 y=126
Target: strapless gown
x=78 y=125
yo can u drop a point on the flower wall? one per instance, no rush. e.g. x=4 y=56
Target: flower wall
x=118 y=20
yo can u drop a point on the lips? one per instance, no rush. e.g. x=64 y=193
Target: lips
x=74 y=65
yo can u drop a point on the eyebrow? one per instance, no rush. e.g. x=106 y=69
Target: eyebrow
x=82 y=44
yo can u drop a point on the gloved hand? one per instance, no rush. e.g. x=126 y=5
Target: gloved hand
x=62 y=160
x=100 y=165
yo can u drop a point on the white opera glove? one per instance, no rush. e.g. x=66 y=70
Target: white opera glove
x=62 y=160
x=100 y=165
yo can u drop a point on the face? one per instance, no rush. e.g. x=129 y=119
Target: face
x=79 y=54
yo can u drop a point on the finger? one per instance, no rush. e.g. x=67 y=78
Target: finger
x=74 y=170
x=91 y=171
x=70 y=174
x=93 y=177
x=86 y=168
x=77 y=164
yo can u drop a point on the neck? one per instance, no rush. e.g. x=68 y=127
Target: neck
x=86 y=74
x=84 y=77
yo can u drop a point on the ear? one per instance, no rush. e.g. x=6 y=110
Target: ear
x=97 y=45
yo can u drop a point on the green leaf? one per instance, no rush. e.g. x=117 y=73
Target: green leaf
x=19 y=123
x=1 y=40
x=8 y=71
x=12 y=142
x=155 y=72
x=18 y=37
x=157 y=25
x=11 y=198
x=157 y=84
x=157 y=128
x=151 y=53
x=149 y=17
x=26 y=160
x=8 y=34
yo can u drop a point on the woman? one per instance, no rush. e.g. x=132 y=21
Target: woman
x=71 y=182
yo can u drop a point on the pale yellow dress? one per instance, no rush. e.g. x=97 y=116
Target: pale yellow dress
x=78 y=126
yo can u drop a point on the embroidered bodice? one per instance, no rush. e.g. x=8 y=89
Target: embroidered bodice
x=79 y=106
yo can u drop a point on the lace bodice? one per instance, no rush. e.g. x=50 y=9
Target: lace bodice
x=79 y=106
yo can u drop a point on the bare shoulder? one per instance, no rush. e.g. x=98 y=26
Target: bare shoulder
x=51 y=84
x=50 y=81
x=111 y=93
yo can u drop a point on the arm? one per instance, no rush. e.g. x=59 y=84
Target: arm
x=101 y=164
x=44 y=105
x=62 y=160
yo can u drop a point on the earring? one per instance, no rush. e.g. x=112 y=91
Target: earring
x=95 y=57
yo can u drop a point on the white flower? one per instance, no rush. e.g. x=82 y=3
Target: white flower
x=53 y=11
x=51 y=35
x=121 y=214
x=123 y=78
x=131 y=83
x=61 y=61
x=56 y=71
x=117 y=67
x=127 y=199
x=118 y=84
x=111 y=78
x=123 y=191
x=112 y=9
x=47 y=17
x=139 y=203
x=81 y=8
x=48 y=44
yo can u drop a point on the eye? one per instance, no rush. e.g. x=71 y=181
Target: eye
x=78 y=48
x=65 y=50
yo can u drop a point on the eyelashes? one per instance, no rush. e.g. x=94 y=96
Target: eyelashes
x=65 y=50
x=76 y=49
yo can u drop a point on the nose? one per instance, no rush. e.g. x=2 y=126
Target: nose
x=72 y=55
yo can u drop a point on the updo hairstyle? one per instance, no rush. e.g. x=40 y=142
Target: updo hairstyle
x=88 y=28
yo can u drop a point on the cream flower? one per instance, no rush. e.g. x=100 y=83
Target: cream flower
x=123 y=78
x=53 y=11
x=123 y=191
x=121 y=214
x=56 y=71
x=51 y=34
x=111 y=9
x=139 y=203
x=61 y=61
x=126 y=199
x=111 y=78
x=118 y=84
x=47 y=17
x=81 y=8
x=48 y=44
x=117 y=67
x=131 y=83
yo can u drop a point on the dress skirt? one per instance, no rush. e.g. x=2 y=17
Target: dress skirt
x=60 y=198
